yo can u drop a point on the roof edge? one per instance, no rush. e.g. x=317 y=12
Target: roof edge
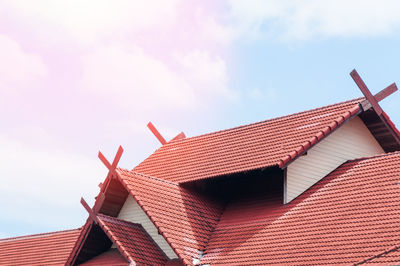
x=117 y=243
x=23 y=237
x=113 y=239
x=323 y=133
x=359 y=99
x=73 y=255
x=374 y=156
x=144 y=209
x=149 y=176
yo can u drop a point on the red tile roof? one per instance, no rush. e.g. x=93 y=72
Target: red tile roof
x=110 y=257
x=264 y=144
x=184 y=218
x=132 y=241
x=350 y=215
x=388 y=257
x=41 y=249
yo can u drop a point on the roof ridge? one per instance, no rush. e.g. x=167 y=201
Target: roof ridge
x=263 y=121
x=149 y=176
x=23 y=237
x=374 y=156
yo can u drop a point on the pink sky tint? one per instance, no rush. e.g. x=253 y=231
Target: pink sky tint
x=79 y=76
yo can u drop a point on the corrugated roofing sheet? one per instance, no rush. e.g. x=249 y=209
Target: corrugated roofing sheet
x=264 y=144
x=41 y=249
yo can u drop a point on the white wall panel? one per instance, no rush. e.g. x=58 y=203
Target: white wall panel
x=351 y=141
x=132 y=212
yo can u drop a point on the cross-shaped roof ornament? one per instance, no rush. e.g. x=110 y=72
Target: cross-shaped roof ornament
x=93 y=211
x=111 y=167
x=372 y=100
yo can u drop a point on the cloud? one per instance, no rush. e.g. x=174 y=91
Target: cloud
x=136 y=80
x=303 y=20
x=42 y=182
x=18 y=68
x=90 y=20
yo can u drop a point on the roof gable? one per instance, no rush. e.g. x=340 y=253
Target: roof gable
x=132 y=241
x=185 y=218
x=272 y=142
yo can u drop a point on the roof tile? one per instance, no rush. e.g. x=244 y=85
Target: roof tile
x=185 y=219
x=264 y=144
x=132 y=240
x=350 y=215
x=41 y=249
x=110 y=257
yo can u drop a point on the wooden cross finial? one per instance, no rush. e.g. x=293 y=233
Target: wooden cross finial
x=156 y=133
x=93 y=212
x=372 y=100
x=160 y=138
x=111 y=167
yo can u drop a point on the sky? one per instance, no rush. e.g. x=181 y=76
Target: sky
x=79 y=76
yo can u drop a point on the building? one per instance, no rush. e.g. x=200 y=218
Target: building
x=316 y=187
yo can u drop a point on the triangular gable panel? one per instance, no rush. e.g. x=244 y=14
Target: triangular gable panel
x=352 y=140
x=132 y=212
x=91 y=243
x=132 y=241
x=184 y=218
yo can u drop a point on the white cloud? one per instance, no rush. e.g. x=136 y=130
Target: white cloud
x=295 y=19
x=136 y=80
x=18 y=68
x=42 y=182
x=206 y=73
x=89 y=20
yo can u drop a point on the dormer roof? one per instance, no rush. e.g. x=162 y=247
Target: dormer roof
x=273 y=142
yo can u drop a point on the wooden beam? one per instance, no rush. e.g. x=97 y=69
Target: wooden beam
x=386 y=92
x=92 y=215
x=364 y=89
x=156 y=133
x=99 y=203
x=385 y=119
x=104 y=160
x=117 y=157
x=111 y=167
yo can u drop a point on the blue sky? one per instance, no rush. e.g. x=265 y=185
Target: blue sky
x=73 y=82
